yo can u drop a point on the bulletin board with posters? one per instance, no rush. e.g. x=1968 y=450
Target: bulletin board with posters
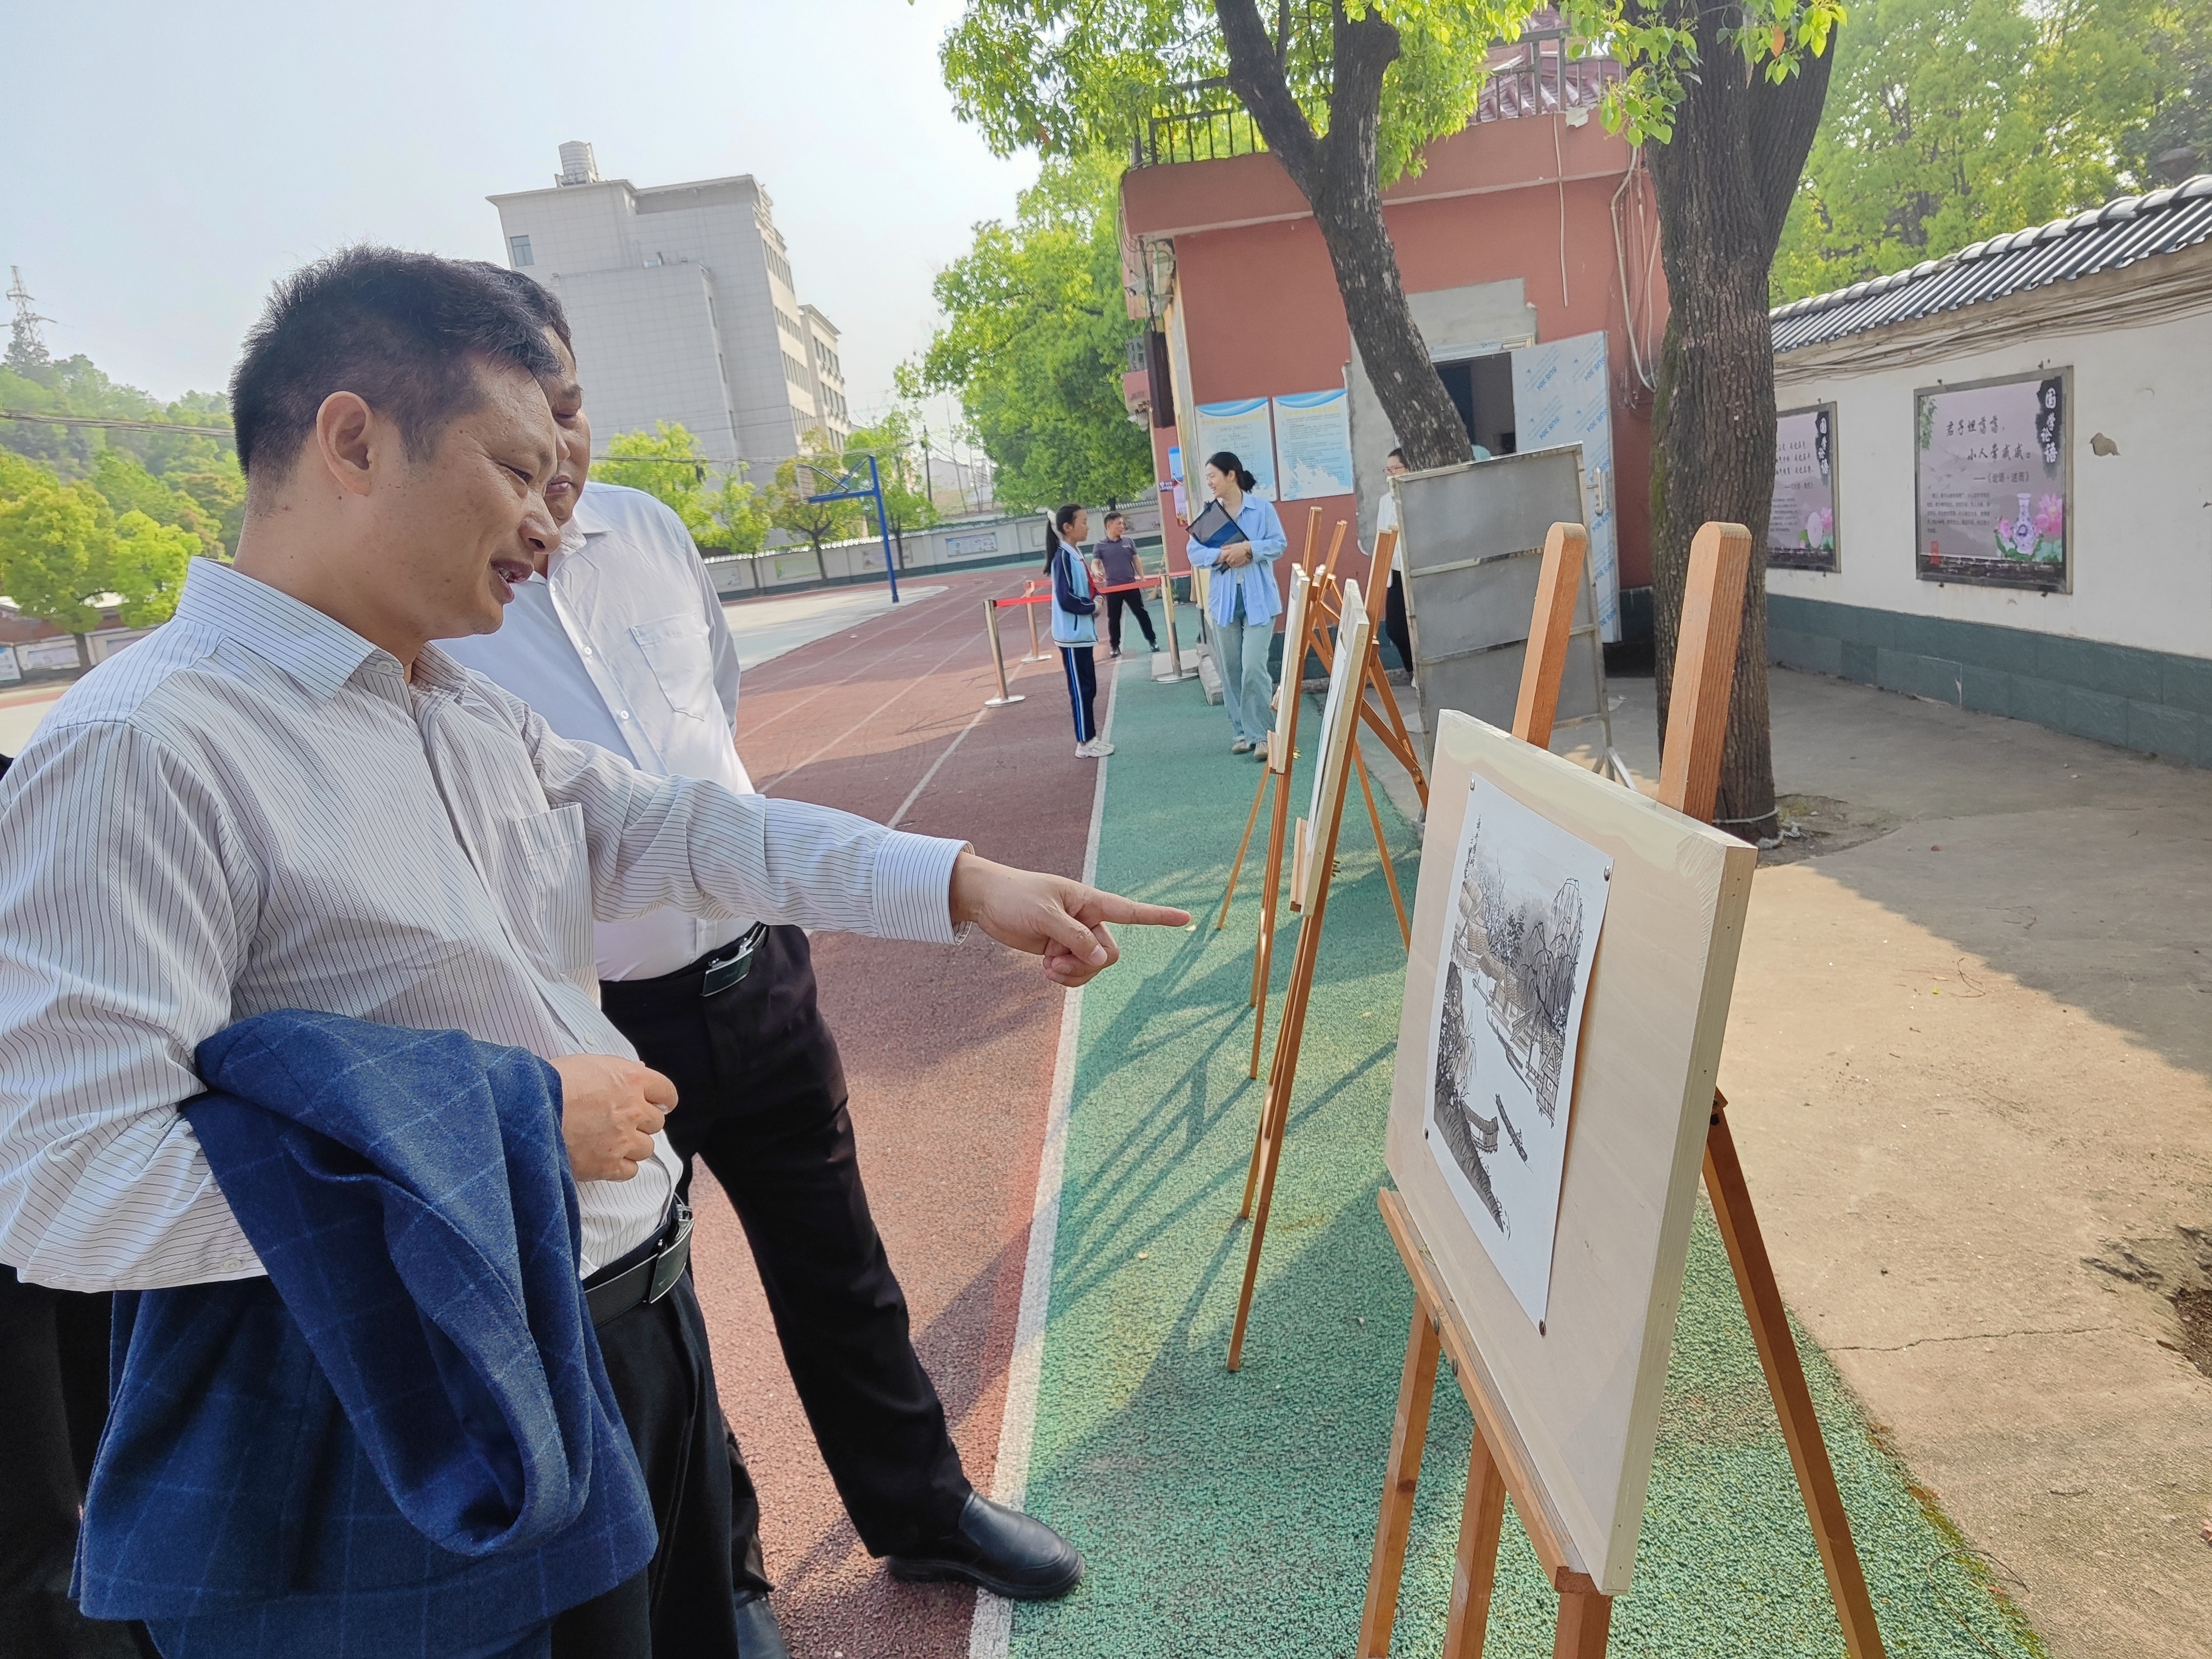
x=1801 y=528
x=1994 y=478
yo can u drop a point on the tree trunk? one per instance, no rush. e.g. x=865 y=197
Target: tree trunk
x=1338 y=175
x=1724 y=182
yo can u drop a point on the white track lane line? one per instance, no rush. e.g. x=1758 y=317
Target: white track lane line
x=993 y=1631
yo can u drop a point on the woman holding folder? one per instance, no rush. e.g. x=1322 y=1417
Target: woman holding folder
x=1239 y=539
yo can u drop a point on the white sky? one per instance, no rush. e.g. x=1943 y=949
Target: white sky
x=166 y=163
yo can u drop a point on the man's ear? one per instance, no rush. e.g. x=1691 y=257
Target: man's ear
x=346 y=431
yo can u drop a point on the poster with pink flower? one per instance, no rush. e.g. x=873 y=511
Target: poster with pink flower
x=1994 y=475
x=1801 y=530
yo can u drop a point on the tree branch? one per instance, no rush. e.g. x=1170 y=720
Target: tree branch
x=1781 y=119
x=1256 y=76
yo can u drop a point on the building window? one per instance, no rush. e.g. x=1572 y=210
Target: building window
x=519 y=248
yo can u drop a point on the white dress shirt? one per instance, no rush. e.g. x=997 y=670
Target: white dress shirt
x=254 y=808
x=622 y=643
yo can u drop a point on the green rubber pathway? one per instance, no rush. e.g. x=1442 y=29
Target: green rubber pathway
x=1234 y=1515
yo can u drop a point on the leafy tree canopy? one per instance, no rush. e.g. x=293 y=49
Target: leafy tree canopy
x=1034 y=340
x=896 y=443
x=1063 y=75
x=1950 y=121
x=724 y=514
x=63 y=549
x=181 y=479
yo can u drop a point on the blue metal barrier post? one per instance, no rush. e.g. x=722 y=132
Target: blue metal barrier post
x=849 y=489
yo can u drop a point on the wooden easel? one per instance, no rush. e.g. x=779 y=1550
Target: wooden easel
x=1281 y=753
x=1689 y=780
x=1275 y=775
x=1317 y=853
x=1394 y=736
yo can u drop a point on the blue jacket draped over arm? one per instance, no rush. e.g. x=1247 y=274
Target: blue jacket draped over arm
x=403 y=1440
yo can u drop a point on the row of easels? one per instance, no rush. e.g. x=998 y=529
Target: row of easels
x=1497 y=1464
x=1317 y=600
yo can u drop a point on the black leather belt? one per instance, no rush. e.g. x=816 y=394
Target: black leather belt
x=733 y=963
x=646 y=1275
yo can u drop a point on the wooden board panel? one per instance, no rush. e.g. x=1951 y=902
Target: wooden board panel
x=1339 y=718
x=1286 y=694
x=1583 y=1398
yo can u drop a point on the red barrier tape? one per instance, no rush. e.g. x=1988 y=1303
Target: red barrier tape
x=1136 y=586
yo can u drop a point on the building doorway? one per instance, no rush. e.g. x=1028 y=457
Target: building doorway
x=1482 y=389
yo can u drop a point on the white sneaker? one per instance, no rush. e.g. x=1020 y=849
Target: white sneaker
x=1097 y=748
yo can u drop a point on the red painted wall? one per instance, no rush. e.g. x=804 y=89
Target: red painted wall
x=1262 y=318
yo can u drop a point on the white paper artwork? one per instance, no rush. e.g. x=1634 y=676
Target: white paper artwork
x=1511 y=974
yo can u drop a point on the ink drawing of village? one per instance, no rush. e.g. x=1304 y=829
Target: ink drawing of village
x=1512 y=970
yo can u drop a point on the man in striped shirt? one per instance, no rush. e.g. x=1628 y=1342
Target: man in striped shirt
x=288 y=797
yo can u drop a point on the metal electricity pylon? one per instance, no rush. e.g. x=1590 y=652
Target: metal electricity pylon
x=27 y=347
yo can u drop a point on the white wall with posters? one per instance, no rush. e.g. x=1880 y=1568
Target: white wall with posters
x=2137 y=520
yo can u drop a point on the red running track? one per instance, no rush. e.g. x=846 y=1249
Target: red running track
x=948 y=1055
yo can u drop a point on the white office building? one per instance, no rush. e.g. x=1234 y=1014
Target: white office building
x=684 y=307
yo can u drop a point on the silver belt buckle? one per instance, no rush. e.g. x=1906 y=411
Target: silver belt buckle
x=675 y=1255
x=720 y=975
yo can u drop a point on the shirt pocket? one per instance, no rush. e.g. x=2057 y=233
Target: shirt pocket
x=546 y=869
x=677 y=651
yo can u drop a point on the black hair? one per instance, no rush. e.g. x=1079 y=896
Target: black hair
x=542 y=303
x=1395 y=455
x=1115 y=515
x=1225 y=462
x=396 y=329
x=1059 y=520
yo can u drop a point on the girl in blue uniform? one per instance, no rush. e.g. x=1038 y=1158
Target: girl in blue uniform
x=1075 y=623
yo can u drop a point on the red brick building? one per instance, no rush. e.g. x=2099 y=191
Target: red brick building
x=1532 y=228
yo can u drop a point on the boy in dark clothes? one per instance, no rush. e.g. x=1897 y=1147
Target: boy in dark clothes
x=1116 y=558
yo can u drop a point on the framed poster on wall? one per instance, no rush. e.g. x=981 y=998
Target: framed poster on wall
x=1313 y=444
x=1994 y=479
x=1801 y=529
x=1245 y=429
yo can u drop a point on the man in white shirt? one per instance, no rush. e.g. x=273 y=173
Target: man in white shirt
x=623 y=641
x=288 y=797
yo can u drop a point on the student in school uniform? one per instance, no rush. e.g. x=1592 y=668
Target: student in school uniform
x=1075 y=623
x=1116 y=565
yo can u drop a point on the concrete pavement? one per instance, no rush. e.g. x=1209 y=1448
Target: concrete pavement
x=1967 y=1063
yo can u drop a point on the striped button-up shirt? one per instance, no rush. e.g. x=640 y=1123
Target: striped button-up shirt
x=255 y=808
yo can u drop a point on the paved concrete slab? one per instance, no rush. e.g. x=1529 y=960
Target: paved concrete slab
x=1968 y=1061
x=766 y=628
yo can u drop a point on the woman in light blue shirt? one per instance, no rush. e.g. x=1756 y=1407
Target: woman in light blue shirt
x=1242 y=599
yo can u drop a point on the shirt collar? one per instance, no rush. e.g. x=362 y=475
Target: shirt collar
x=319 y=652
x=584 y=523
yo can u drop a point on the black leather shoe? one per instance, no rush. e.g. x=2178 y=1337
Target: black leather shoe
x=1002 y=1550
x=759 y=1637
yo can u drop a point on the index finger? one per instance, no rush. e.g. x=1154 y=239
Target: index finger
x=656 y=1089
x=1112 y=906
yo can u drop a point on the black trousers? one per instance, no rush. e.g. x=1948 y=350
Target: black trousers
x=683 y=1603
x=53 y=1404
x=1136 y=602
x=1394 y=621
x=761 y=1099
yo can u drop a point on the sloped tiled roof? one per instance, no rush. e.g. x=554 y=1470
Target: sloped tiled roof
x=2102 y=239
